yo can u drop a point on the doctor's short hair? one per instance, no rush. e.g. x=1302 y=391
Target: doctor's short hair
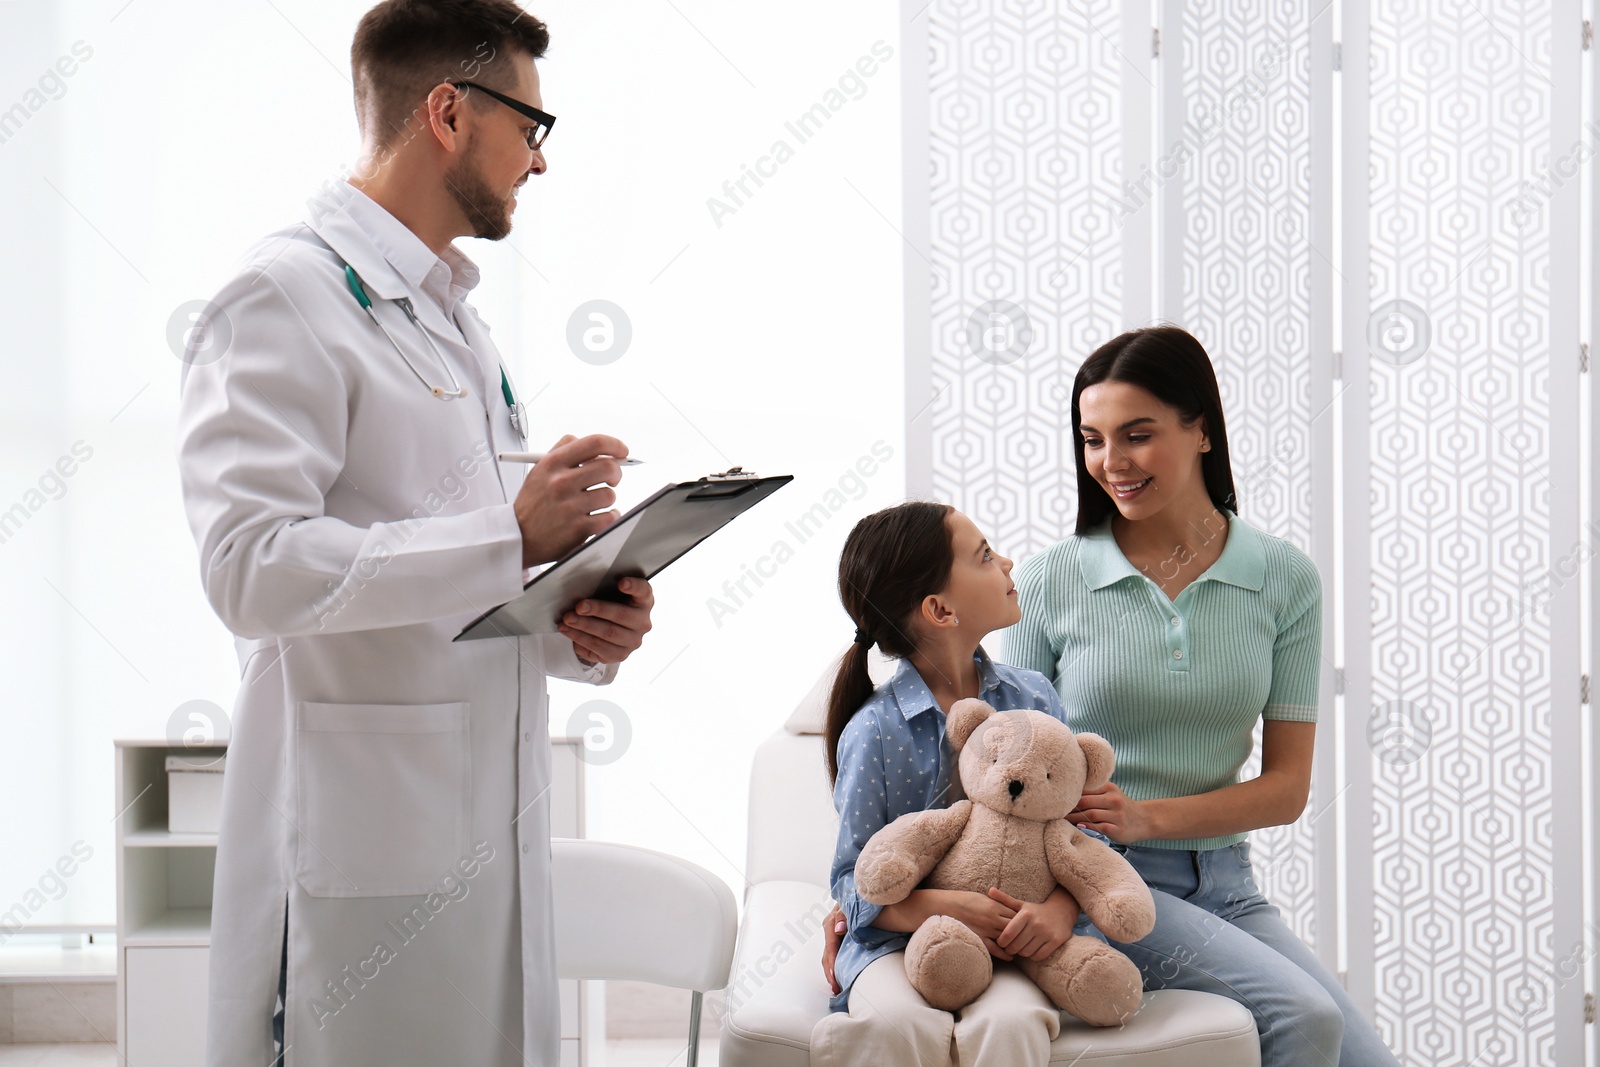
x=403 y=48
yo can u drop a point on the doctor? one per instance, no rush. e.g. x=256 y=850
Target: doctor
x=385 y=825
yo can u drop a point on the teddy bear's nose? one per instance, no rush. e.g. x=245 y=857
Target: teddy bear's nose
x=1016 y=789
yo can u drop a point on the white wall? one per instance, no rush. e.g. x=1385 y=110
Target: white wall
x=772 y=340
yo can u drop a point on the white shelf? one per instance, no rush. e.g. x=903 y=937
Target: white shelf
x=175 y=927
x=168 y=839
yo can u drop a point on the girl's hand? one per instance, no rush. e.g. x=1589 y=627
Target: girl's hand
x=1112 y=812
x=986 y=917
x=833 y=928
x=982 y=915
x=1037 y=930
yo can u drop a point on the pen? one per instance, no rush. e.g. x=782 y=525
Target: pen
x=534 y=457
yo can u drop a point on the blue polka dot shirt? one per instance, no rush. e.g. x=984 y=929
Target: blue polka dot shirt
x=893 y=760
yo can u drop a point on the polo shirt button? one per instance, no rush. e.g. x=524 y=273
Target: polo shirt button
x=528 y=736
x=524 y=848
x=1178 y=654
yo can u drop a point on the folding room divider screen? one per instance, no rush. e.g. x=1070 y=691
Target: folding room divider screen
x=1370 y=215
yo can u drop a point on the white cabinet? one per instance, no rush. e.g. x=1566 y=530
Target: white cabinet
x=166 y=1006
x=164 y=912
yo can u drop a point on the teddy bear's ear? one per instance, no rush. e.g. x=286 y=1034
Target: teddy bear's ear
x=1097 y=754
x=965 y=716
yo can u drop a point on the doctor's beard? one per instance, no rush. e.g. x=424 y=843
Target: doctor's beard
x=489 y=213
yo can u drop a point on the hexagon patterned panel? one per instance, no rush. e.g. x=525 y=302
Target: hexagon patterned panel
x=1465 y=438
x=1026 y=106
x=1239 y=246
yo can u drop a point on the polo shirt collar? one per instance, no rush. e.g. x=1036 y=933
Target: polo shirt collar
x=390 y=259
x=1243 y=561
x=913 y=697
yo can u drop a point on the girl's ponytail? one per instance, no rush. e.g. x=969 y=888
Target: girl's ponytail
x=851 y=688
x=891 y=561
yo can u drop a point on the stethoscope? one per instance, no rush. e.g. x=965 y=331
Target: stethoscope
x=457 y=390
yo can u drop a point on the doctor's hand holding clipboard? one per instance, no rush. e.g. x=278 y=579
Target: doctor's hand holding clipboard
x=557 y=509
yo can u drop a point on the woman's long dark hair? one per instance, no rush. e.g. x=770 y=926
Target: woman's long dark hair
x=1171 y=365
x=891 y=561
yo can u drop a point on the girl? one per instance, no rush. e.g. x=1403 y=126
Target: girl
x=920 y=581
x=1169 y=625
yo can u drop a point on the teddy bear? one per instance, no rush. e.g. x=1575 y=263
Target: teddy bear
x=1023 y=772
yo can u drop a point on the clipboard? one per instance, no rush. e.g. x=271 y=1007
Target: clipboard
x=641 y=544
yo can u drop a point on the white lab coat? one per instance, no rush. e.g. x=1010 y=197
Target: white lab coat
x=386 y=787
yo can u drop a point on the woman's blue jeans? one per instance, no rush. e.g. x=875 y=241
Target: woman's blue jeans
x=1215 y=932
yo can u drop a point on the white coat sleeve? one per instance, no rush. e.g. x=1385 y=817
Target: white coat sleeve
x=261 y=441
x=561 y=661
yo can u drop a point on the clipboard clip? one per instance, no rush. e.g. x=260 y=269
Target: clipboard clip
x=731 y=474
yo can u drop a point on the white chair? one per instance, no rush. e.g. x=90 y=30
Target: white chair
x=628 y=913
x=777 y=993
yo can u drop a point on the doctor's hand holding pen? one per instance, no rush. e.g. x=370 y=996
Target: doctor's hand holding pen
x=556 y=509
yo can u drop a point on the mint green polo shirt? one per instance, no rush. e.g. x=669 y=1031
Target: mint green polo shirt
x=1175 y=686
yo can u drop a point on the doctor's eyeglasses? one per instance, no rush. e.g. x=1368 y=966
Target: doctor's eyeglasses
x=543 y=120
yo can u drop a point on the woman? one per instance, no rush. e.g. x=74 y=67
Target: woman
x=1169 y=626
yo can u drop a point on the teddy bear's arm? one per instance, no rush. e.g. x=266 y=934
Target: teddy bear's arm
x=1107 y=887
x=903 y=853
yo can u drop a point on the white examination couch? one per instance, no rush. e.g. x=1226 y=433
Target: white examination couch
x=777 y=992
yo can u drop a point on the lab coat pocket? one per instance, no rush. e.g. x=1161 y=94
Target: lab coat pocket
x=384 y=797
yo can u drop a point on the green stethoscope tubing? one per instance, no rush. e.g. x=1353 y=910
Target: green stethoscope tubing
x=365 y=301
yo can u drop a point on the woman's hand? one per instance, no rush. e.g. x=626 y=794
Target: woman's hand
x=1272 y=798
x=1036 y=931
x=1112 y=812
x=833 y=929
